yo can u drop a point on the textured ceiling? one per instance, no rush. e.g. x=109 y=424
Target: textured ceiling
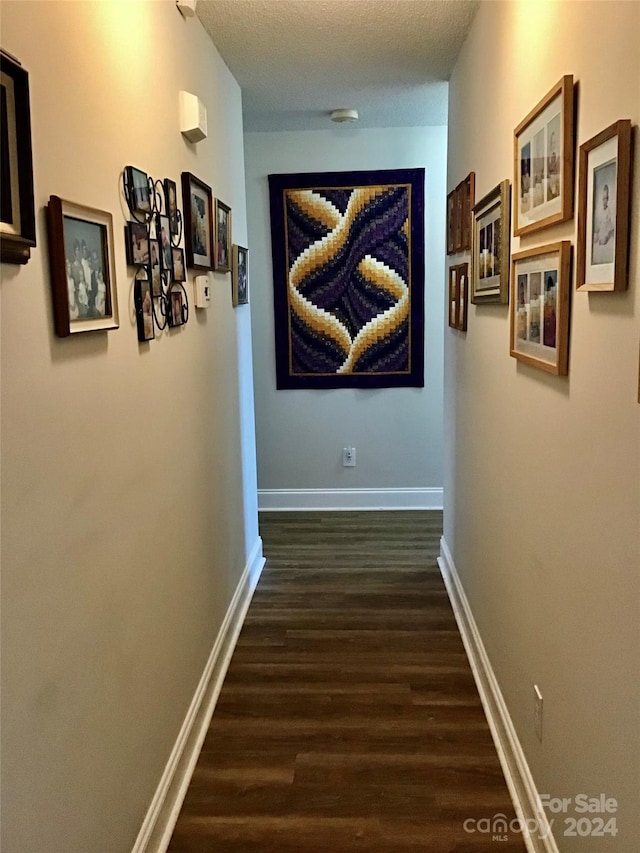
x=296 y=60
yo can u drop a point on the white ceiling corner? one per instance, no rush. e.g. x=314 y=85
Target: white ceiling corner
x=297 y=60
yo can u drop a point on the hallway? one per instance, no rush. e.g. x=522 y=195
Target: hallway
x=349 y=719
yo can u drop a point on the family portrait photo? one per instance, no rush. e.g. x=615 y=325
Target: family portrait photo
x=171 y=201
x=144 y=308
x=176 y=316
x=178 y=264
x=87 y=272
x=240 y=276
x=156 y=270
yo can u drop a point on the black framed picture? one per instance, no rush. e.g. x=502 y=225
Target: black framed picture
x=17 y=220
x=222 y=237
x=240 y=276
x=179 y=272
x=137 y=182
x=171 y=202
x=137 y=243
x=163 y=235
x=143 y=301
x=197 y=199
x=176 y=314
x=155 y=266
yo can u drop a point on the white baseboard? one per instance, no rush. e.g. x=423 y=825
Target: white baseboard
x=349 y=499
x=160 y=820
x=536 y=830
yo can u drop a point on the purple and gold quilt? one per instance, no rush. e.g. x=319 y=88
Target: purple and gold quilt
x=348 y=276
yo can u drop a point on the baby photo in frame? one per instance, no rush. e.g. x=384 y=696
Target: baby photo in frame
x=604 y=209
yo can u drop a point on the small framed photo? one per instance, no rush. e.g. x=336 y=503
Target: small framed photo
x=155 y=266
x=240 y=276
x=137 y=243
x=539 y=316
x=543 y=162
x=490 y=246
x=143 y=300
x=163 y=235
x=171 y=203
x=83 y=276
x=458 y=296
x=222 y=237
x=176 y=308
x=17 y=219
x=179 y=273
x=198 y=222
x=139 y=194
x=604 y=209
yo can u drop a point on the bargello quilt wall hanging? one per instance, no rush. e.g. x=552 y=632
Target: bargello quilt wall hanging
x=348 y=277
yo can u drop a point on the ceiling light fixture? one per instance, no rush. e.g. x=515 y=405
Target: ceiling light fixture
x=187 y=8
x=342 y=116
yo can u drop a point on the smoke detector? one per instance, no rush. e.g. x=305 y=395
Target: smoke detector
x=342 y=116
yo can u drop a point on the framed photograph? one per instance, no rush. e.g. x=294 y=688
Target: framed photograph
x=171 y=204
x=458 y=296
x=543 y=162
x=139 y=195
x=240 y=276
x=176 y=308
x=17 y=213
x=198 y=222
x=222 y=237
x=83 y=277
x=142 y=298
x=451 y=210
x=604 y=209
x=539 y=316
x=163 y=235
x=179 y=273
x=155 y=266
x=491 y=234
x=137 y=243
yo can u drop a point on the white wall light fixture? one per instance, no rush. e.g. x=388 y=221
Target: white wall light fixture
x=187 y=8
x=344 y=116
x=193 y=117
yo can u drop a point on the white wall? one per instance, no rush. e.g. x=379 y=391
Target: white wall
x=300 y=434
x=126 y=469
x=542 y=490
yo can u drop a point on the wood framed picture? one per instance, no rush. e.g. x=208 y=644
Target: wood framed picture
x=142 y=297
x=171 y=205
x=176 y=314
x=604 y=209
x=491 y=233
x=83 y=276
x=223 y=237
x=543 y=162
x=137 y=243
x=458 y=296
x=179 y=272
x=240 y=276
x=466 y=200
x=451 y=207
x=539 y=316
x=197 y=199
x=138 y=191
x=17 y=213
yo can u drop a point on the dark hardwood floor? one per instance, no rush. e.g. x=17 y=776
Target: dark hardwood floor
x=349 y=719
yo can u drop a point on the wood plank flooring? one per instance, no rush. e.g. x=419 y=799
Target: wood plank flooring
x=349 y=719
